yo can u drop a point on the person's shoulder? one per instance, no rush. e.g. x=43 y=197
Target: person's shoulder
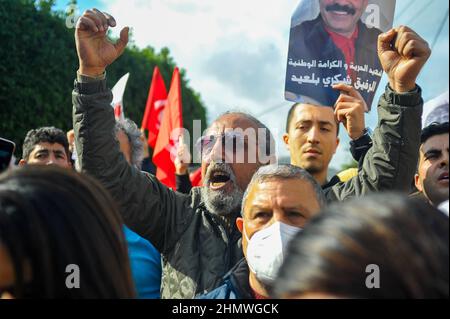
x=306 y=36
x=371 y=32
x=307 y=25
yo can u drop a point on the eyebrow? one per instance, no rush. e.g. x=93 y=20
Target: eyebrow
x=311 y=121
x=257 y=208
x=433 y=151
x=46 y=151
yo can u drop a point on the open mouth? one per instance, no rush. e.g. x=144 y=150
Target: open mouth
x=340 y=13
x=218 y=179
x=340 y=10
x=443 y=177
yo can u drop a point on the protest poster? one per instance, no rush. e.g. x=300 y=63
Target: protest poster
x=335 y=42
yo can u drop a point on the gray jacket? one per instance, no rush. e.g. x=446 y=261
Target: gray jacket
x=198 y=248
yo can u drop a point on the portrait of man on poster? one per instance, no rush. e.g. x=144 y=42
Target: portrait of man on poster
x=333 y=46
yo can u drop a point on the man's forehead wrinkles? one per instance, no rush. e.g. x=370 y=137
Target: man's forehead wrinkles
x=238 y=124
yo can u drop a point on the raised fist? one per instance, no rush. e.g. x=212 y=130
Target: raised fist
x=402 y=53
x=95 y=51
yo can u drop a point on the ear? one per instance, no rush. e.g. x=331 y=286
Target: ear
x=22 y=162
x=240 y=224
x=286 y=141
x=337 y=144
x=417 y=183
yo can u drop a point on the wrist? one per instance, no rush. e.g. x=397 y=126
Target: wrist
x=358 y=134
x=91 y=71
x=402 y=87
x=365 y=137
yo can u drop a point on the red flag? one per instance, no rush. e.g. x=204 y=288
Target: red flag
x=156 y=102
x=118 y=114
x=196 y=177
x=170 y=130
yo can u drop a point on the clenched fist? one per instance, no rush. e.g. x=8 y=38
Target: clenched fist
x=95 y=51
x=402 y=53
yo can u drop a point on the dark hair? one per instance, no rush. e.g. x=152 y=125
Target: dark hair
x=432 y=130
x=291 y=115
x=51 y=218
x=44 y=135
x=408 y=240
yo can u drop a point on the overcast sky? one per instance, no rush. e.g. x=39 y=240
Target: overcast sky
x=235 y=51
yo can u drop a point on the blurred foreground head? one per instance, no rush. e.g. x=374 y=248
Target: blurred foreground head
x=52 y=220
x=385 y=241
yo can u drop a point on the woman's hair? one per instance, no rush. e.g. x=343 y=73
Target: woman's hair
x=407 y=240
x=51 y=218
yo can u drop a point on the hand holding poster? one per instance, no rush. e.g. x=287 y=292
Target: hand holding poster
x=333 y=42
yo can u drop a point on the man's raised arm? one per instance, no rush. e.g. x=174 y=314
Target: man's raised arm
x=391 y=162
x=147 y=206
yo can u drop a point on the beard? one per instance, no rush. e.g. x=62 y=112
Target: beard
x=435 y=194
x=312 y=168
x=220 y=202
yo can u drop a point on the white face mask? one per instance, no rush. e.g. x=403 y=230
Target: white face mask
x=266 y=249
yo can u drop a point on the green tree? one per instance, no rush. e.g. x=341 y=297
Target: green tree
x=38 y=63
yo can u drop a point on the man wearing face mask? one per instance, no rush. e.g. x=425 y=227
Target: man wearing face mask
x=273 y=211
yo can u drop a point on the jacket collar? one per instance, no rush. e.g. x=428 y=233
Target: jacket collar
x=239 y=278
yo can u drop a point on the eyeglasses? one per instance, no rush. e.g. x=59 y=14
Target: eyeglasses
x=233 y=141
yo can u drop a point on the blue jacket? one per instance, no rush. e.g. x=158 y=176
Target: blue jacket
x=145 y=262
x=235 y=284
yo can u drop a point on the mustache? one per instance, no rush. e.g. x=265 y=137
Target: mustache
x=309 y=148
x=338 y=7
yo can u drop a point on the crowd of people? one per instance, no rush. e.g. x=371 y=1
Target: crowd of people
x=88 y=199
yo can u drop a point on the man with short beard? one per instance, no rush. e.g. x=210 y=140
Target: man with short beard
x=196 y=233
